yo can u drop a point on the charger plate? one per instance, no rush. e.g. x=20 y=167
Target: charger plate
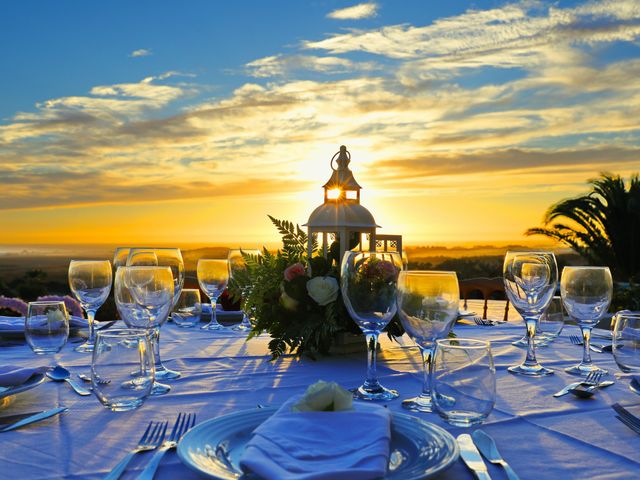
x=213 y=448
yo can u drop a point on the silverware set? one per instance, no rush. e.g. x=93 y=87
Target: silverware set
x=480 y=440
x=626 y=417
x=575 y=340
x=153 y=438
x=587 y=387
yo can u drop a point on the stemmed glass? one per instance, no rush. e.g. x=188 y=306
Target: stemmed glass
x=530 y=280
x=586 y=293
x=90 y=283
x=213 y=276
x=162 y=257
x=144 y=297
x=368 y=283
x=428 y=307
x=238 y=270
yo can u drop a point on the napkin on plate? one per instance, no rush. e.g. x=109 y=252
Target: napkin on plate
x=342 y=445
x=12 y=375
x=17 y=323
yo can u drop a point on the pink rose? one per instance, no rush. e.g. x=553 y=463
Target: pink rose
x=293 y=271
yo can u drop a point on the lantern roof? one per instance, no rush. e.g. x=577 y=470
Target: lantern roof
x=339 y=215
x=342 y=177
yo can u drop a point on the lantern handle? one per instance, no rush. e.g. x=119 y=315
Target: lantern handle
x=342 y=149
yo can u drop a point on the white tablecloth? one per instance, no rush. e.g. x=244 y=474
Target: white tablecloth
x=541 y=436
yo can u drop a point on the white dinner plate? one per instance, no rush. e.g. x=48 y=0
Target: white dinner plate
x=213 y=448
x=33 y=381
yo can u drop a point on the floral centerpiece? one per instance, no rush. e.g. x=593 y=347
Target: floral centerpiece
x=296 y=298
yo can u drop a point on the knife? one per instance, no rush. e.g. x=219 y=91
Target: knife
x=488 y=448
x=34 y=418
x=471 y=457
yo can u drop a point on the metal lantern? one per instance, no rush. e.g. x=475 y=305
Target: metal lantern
x=341 y=219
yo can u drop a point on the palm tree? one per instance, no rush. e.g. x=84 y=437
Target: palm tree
x=603 y=226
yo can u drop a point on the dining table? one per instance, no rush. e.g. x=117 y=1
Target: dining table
x=541 y=437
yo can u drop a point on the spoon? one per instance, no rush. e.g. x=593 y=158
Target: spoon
x=583 y=391
x=61 y=374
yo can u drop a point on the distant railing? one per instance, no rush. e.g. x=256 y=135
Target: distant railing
x=488 y=289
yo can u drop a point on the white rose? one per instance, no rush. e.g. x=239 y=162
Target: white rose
x=324 y=397
x=323 y=290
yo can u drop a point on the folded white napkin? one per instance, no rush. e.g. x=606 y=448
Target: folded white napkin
x=12 y=375
x=351 y=445
x=17 y=323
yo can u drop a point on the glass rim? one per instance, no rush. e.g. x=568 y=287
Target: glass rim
x=190 y=290
x=466 y=343
x=90 y=261
x=429 y=272
x=529 y=251
x=122 y=332
x=627 y=313
x=585 y=267
x=139 y=267
x=40 y=303
x=214 y=259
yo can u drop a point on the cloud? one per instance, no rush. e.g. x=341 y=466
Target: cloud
x=141 y=52
x=509 y=36
x=417 y=120
x=356 y=12
x=282 y=65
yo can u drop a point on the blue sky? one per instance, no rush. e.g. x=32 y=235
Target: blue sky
x=475 y=116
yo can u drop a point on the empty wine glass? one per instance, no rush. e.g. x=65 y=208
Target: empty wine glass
x=626 y=345
x=46 y=327
x=90 y=282
x=213 y=276
x=428 y=307
x=162 y=257
x=166 y=257
x=144 y=298
x=586 y=293
x=530 y=280
x=368 y=283
x=239 y=272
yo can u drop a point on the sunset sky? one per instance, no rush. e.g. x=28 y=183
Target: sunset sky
x=189 y=122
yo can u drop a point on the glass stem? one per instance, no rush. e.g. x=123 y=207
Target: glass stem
x=155 y=337
x=427 y=362
x=586 y=352
x=91 y=315
x=372 y=350
x=532 y=324
x=214 y=315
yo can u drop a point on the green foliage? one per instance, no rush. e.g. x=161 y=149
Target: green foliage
x=284 y=309
x=603 y=226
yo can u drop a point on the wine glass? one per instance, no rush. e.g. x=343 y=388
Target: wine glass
x=368 y=283
x=428 y=307
x=626 y=345
x=551 y=322
x=239 y=272
x=213 y=276
x=144 y=298
x=530 y=280
x=90 y=282
x=162 y=257
x=166 y=257
x=120 y=257
x=586 y=293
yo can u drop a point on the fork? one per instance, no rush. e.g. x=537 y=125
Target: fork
x=592 y=379
x=585 y=389
x=183 y=423
x=150 y=440
x=483 y=322
x=627 y=417
x=574 y=339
